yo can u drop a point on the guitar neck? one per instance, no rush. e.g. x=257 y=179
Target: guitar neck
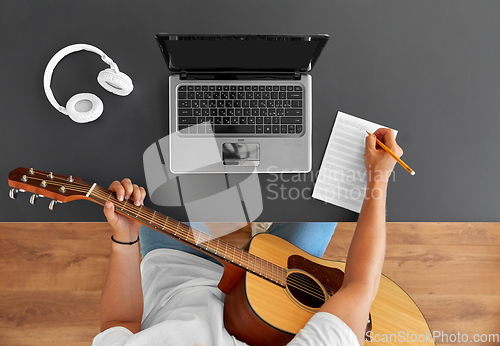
x=63 y=188
x=215 y=247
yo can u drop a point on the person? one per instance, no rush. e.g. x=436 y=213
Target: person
x=171 y=297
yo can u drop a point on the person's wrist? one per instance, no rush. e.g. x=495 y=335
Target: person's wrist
x=125 y=236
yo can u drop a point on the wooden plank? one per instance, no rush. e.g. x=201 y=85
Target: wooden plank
x=445 y=233
x=48 y=256
x=48 y=317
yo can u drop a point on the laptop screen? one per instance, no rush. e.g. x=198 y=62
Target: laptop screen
x=258 y=53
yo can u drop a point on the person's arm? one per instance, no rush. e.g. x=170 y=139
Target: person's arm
x=122 y=302
x=367 y=251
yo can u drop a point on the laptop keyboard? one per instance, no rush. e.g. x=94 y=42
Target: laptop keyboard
x=241 y=109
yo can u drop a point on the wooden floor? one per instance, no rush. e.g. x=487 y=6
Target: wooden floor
x=52 y=275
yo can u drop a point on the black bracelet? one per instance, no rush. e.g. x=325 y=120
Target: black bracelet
x=119 y=242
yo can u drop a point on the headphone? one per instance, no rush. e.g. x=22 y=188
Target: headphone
x=85 y=107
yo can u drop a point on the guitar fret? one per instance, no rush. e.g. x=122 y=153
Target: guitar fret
x=152 y=217
x=234 y=253
x=225 y=251
x=178 y=223
x=217 y=247
x=139 y=211
x=124 y=203
x=165 y=224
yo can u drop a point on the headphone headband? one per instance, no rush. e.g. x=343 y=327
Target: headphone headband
x=47 y=76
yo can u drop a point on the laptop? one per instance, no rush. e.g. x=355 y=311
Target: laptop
x=240 y=103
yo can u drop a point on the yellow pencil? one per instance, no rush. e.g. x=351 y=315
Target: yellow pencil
x=405 y=166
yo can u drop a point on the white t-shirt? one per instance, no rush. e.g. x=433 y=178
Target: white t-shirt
x=183 y=306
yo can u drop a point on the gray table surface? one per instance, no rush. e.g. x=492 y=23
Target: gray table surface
x=430 y=69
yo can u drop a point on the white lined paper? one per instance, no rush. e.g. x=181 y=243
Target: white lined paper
x=342 y=176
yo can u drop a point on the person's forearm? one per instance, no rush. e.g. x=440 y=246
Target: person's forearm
x=367 y=251
x=122 y=302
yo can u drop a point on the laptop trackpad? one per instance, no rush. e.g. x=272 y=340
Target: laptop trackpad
x=240 y=154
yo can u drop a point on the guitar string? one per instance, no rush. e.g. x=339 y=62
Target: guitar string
x=297 y=283
x=84 y=186
x=293 y=282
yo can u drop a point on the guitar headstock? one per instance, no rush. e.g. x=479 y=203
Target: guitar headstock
x=61 y=188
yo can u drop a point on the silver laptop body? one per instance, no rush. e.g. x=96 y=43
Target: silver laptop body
x=279 y=141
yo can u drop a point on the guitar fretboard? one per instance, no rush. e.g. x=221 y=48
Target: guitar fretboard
x=199 y=239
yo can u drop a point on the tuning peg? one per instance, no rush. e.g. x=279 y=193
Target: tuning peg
x=33 y=198
x=13 y=193
x=52 y=204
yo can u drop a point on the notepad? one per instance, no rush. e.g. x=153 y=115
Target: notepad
x=342 y=176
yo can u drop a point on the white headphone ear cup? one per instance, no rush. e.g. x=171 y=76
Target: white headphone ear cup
x=84 y=108
x=116 y=82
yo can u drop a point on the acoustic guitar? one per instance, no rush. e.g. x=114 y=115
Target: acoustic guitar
x=272 y=289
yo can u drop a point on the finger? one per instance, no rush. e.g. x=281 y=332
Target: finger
x=143 y=195
x=136 y=195
x=109 y=212
x=371 y=142
x=118 y=188
x=128 y=187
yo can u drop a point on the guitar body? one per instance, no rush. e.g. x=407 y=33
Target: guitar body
x=260 y=312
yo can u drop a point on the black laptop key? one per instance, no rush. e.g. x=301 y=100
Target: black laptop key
x=296 y=103
x=291 y=120
x=182 y=95
x=187 y=120
x=294 y=95
x=185 y=104
x=185 y=112
x=296 y=112
x=234 y=129
x=267 y=128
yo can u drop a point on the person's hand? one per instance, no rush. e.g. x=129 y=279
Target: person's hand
x=124 y=228
x=379 y=164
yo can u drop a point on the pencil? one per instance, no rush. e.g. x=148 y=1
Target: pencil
x=389 y=151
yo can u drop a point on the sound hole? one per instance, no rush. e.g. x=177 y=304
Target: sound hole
x=305 y=289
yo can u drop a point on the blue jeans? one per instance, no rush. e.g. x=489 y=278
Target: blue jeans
x=312 y=237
